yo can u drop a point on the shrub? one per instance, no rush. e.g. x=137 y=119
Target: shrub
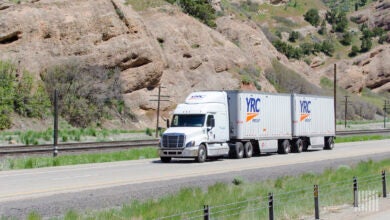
x=354 y=51
x=294 y=35
x=347 y=39
x=27 y=104
x=7 y=90
x=366 y=44
x=286 y=80
x=322 y=30
x=85 y=94
x=200 y=9
x=327 y=47
x=312 y=17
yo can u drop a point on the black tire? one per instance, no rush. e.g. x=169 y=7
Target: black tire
x=305 y=146
x=202 y=154
x=165 y=159
x=239 y=150
x=329 y=143
x=248 y=150
x=298 y=146
x=285 y=147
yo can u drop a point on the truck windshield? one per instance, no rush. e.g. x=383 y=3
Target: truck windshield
x=188 y=120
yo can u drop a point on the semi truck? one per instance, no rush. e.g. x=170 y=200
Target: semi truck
x=239 y=124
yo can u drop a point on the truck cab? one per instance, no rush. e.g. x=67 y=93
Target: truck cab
x=199 y=128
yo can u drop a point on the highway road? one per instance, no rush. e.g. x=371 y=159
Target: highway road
x=23 y=188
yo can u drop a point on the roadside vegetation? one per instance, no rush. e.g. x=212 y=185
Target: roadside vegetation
x=63 y=160
x=23 y=95
x=294 y=196
x=356 y=138
x=71 y=134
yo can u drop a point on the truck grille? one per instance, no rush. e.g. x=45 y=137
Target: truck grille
x=173 y=140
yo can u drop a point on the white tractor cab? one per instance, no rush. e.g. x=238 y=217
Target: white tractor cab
x=199 y=129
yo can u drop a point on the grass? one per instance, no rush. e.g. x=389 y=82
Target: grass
x=361 y=138
x=62 y=160
x=65 y=135
x=145 y=4
x=293 y=196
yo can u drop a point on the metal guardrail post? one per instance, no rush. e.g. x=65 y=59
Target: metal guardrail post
x=316 y=204
x=206 y=212
x=384 y=191
x=355 y=192
x=271 y=206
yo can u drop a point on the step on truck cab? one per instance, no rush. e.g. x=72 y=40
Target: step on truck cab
x=239 y=124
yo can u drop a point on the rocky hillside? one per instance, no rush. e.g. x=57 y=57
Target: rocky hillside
x=161 y=45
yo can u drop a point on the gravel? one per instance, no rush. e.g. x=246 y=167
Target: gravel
x=115 y=197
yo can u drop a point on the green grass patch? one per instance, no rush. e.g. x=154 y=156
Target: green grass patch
x=293 y=196
x=66 y=134
x=36 y=162
x=145 y=4
x=361 y=138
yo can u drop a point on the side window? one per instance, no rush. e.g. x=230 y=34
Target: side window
x=175 y=121
x=209 y=119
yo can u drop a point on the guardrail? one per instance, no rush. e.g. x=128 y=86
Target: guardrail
x=362 y=193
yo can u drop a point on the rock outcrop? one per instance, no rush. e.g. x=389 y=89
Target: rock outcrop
x=368 y=70
x=162 y=47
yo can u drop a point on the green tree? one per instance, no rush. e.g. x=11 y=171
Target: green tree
x=342 y=22
x=354 y=51
x=327 y=47
x=306 y=48
x=322 y=29
x=312 y=17
x=200 y=9
x=366 y=44
x=294 y=35
x=347 y=38
x=331 y=16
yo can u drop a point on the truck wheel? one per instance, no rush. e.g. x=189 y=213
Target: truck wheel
x=298 y=146
x=202 y=154
x=329 y=143
x=165 y=159
x=239 y=152
x=285 y=148
x=248 y=150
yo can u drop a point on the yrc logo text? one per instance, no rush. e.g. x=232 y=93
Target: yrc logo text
x=305 y=110
x=252 y=109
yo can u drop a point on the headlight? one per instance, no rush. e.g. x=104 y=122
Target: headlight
x=190 y=144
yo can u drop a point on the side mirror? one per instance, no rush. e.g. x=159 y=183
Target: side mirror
x=211 y=122
x=167 y=123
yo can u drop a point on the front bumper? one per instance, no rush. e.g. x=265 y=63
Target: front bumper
x=181 y=152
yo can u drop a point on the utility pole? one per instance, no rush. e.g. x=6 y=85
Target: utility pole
x=385 y=108
x=334 y=94
x=159 y=96
x=55 y=138
x=346 y=102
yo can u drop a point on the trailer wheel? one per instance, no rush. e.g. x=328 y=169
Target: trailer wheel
x=285 y=147
x=298 y=147
x=202 y=154
x=239 y=152
x=165 y=159
x=248 y=149
x=329 y=143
